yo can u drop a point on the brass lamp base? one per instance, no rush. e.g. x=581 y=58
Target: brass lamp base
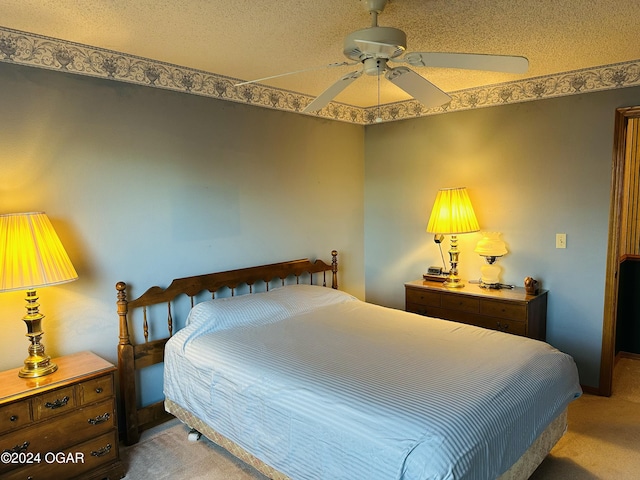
x=453 y=280
x=37 y=364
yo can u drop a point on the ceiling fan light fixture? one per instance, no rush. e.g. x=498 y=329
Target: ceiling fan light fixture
x=374 y=66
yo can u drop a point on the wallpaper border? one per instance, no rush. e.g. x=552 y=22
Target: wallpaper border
x=44 y=52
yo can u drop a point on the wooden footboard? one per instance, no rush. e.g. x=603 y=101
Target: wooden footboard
x=134 y=356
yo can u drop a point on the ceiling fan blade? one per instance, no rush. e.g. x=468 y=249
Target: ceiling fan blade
x=469 y=61
x=330 y=93
x=418 y=87
x=257 y=80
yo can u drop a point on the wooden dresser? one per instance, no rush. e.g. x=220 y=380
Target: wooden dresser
x=508 y=310
x=62 y=425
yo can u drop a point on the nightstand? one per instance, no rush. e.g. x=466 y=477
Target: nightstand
x=508 y=310
x=61 y=425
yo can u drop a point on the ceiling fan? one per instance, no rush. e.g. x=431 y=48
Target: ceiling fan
x=375 y=47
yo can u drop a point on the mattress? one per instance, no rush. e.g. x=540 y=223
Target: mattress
x=320 y=385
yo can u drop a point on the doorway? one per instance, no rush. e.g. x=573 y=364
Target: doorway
x=624 y=229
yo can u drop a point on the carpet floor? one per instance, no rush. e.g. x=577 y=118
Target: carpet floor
x=603 y=442
x=165 y=453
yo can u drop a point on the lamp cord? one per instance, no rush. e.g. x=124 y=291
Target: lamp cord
x=444 y=264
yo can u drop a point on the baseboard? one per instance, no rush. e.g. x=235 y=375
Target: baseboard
x=591 y=390
x=632 y=356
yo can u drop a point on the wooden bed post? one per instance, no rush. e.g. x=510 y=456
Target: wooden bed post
x=126 y=371
x=334 y=269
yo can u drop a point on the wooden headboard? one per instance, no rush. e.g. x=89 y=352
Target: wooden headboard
x=134 y=356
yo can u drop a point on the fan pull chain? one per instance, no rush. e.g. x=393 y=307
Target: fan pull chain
x=378 y=118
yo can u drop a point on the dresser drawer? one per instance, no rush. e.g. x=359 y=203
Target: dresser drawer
x=95 y=390
x=72 y=462
x=501 y=324
x=15 y=415
x=54 y=403
x=461 y=303
x=78 y=426
x=422 y=297
x=506 y=310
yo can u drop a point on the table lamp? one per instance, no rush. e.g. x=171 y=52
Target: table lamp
x=452 y=214
x=32 y=256
x=490 y=247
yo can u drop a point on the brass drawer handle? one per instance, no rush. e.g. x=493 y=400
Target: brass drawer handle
x=503 y=326
x=18 y=448
x=101 y=452
x=99 y=390
x=58 y=403
x=99 y=419
x=13 y=418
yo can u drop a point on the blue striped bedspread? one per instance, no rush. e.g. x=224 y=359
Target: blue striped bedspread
x=320 y=385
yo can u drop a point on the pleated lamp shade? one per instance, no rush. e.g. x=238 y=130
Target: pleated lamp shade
x=452 y=213
x=31 y=254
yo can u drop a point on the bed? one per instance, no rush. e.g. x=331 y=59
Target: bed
x=302 y=380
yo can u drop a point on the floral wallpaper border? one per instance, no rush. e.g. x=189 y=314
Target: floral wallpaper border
x=54 y=54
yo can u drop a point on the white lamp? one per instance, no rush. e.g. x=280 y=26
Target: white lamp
x=453 y=214
x=490 y=247
x=32 y=256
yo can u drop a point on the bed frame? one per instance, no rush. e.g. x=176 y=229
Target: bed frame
x=134 y=356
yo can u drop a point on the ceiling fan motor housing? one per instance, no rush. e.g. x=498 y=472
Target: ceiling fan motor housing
x=375 y=42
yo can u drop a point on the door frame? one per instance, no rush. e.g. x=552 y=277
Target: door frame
x=622 y=117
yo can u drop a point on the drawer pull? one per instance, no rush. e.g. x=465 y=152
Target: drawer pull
x=99 y=390
x=58 y=403
x=99 y=419
x=101 y=452
x=503 y=326
x=18 y=448
x=13 y=418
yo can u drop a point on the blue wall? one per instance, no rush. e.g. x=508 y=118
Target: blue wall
x=145 y=185
x=532 y=170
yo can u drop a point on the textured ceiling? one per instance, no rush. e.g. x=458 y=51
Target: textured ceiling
x=248 y=39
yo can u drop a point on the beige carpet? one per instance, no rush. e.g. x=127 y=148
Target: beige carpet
x=603 y=442
x=165 y=453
